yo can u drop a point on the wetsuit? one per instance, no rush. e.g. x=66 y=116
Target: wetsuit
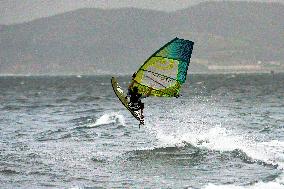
x=135 y=101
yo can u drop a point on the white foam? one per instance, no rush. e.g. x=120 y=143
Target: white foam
x=259 y=185
x=108 y=118
x=222 y=139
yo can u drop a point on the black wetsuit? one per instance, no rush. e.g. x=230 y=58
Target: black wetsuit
x=135 y=101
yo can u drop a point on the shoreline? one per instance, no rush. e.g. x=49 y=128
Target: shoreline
x=115 y=74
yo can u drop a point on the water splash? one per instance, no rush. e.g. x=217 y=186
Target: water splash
x=110 y=118
x=210 y=128
x=259 y=185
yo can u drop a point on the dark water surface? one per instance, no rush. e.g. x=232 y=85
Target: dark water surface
x=226 y=131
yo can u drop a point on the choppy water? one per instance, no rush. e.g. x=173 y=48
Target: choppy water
x=226 y=131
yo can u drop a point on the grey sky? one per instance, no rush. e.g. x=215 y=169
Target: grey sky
x=16 y=11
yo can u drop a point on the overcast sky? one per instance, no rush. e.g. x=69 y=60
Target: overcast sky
x=17 y=11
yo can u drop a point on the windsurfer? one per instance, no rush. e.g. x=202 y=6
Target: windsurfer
x=135 y=97
x=135 y=101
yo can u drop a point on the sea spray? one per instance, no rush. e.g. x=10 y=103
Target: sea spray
x=108 y=118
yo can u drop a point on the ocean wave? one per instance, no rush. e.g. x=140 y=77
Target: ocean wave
x=9 y=171
x=221 y=140
x=52 y=135
x=246 y=159
x=91 y=110
x=12 y=107
x=182 y=153
x=87 y=98
x=109 y=118
x=25 y=107
x=61 y=100
x=98 y=159
x=277 y=184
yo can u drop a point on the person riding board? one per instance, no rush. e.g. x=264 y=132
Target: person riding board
x=135 y=97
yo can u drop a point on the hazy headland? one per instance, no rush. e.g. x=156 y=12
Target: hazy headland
x=229 y=37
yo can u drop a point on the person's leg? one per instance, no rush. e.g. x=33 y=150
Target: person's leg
x=141 y=110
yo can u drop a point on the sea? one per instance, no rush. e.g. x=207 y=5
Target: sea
x=226 y=131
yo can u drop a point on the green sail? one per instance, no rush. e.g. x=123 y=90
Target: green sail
x=165 y=71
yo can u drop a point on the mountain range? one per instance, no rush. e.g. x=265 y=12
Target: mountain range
x=118 y=41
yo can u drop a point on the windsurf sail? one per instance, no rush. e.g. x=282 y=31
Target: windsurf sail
x=165 y=71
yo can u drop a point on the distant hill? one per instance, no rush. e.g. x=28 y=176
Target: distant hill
x=92 y=41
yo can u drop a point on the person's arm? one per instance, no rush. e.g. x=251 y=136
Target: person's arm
x=133 y=81
x=129 y=88
x=131 y=84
